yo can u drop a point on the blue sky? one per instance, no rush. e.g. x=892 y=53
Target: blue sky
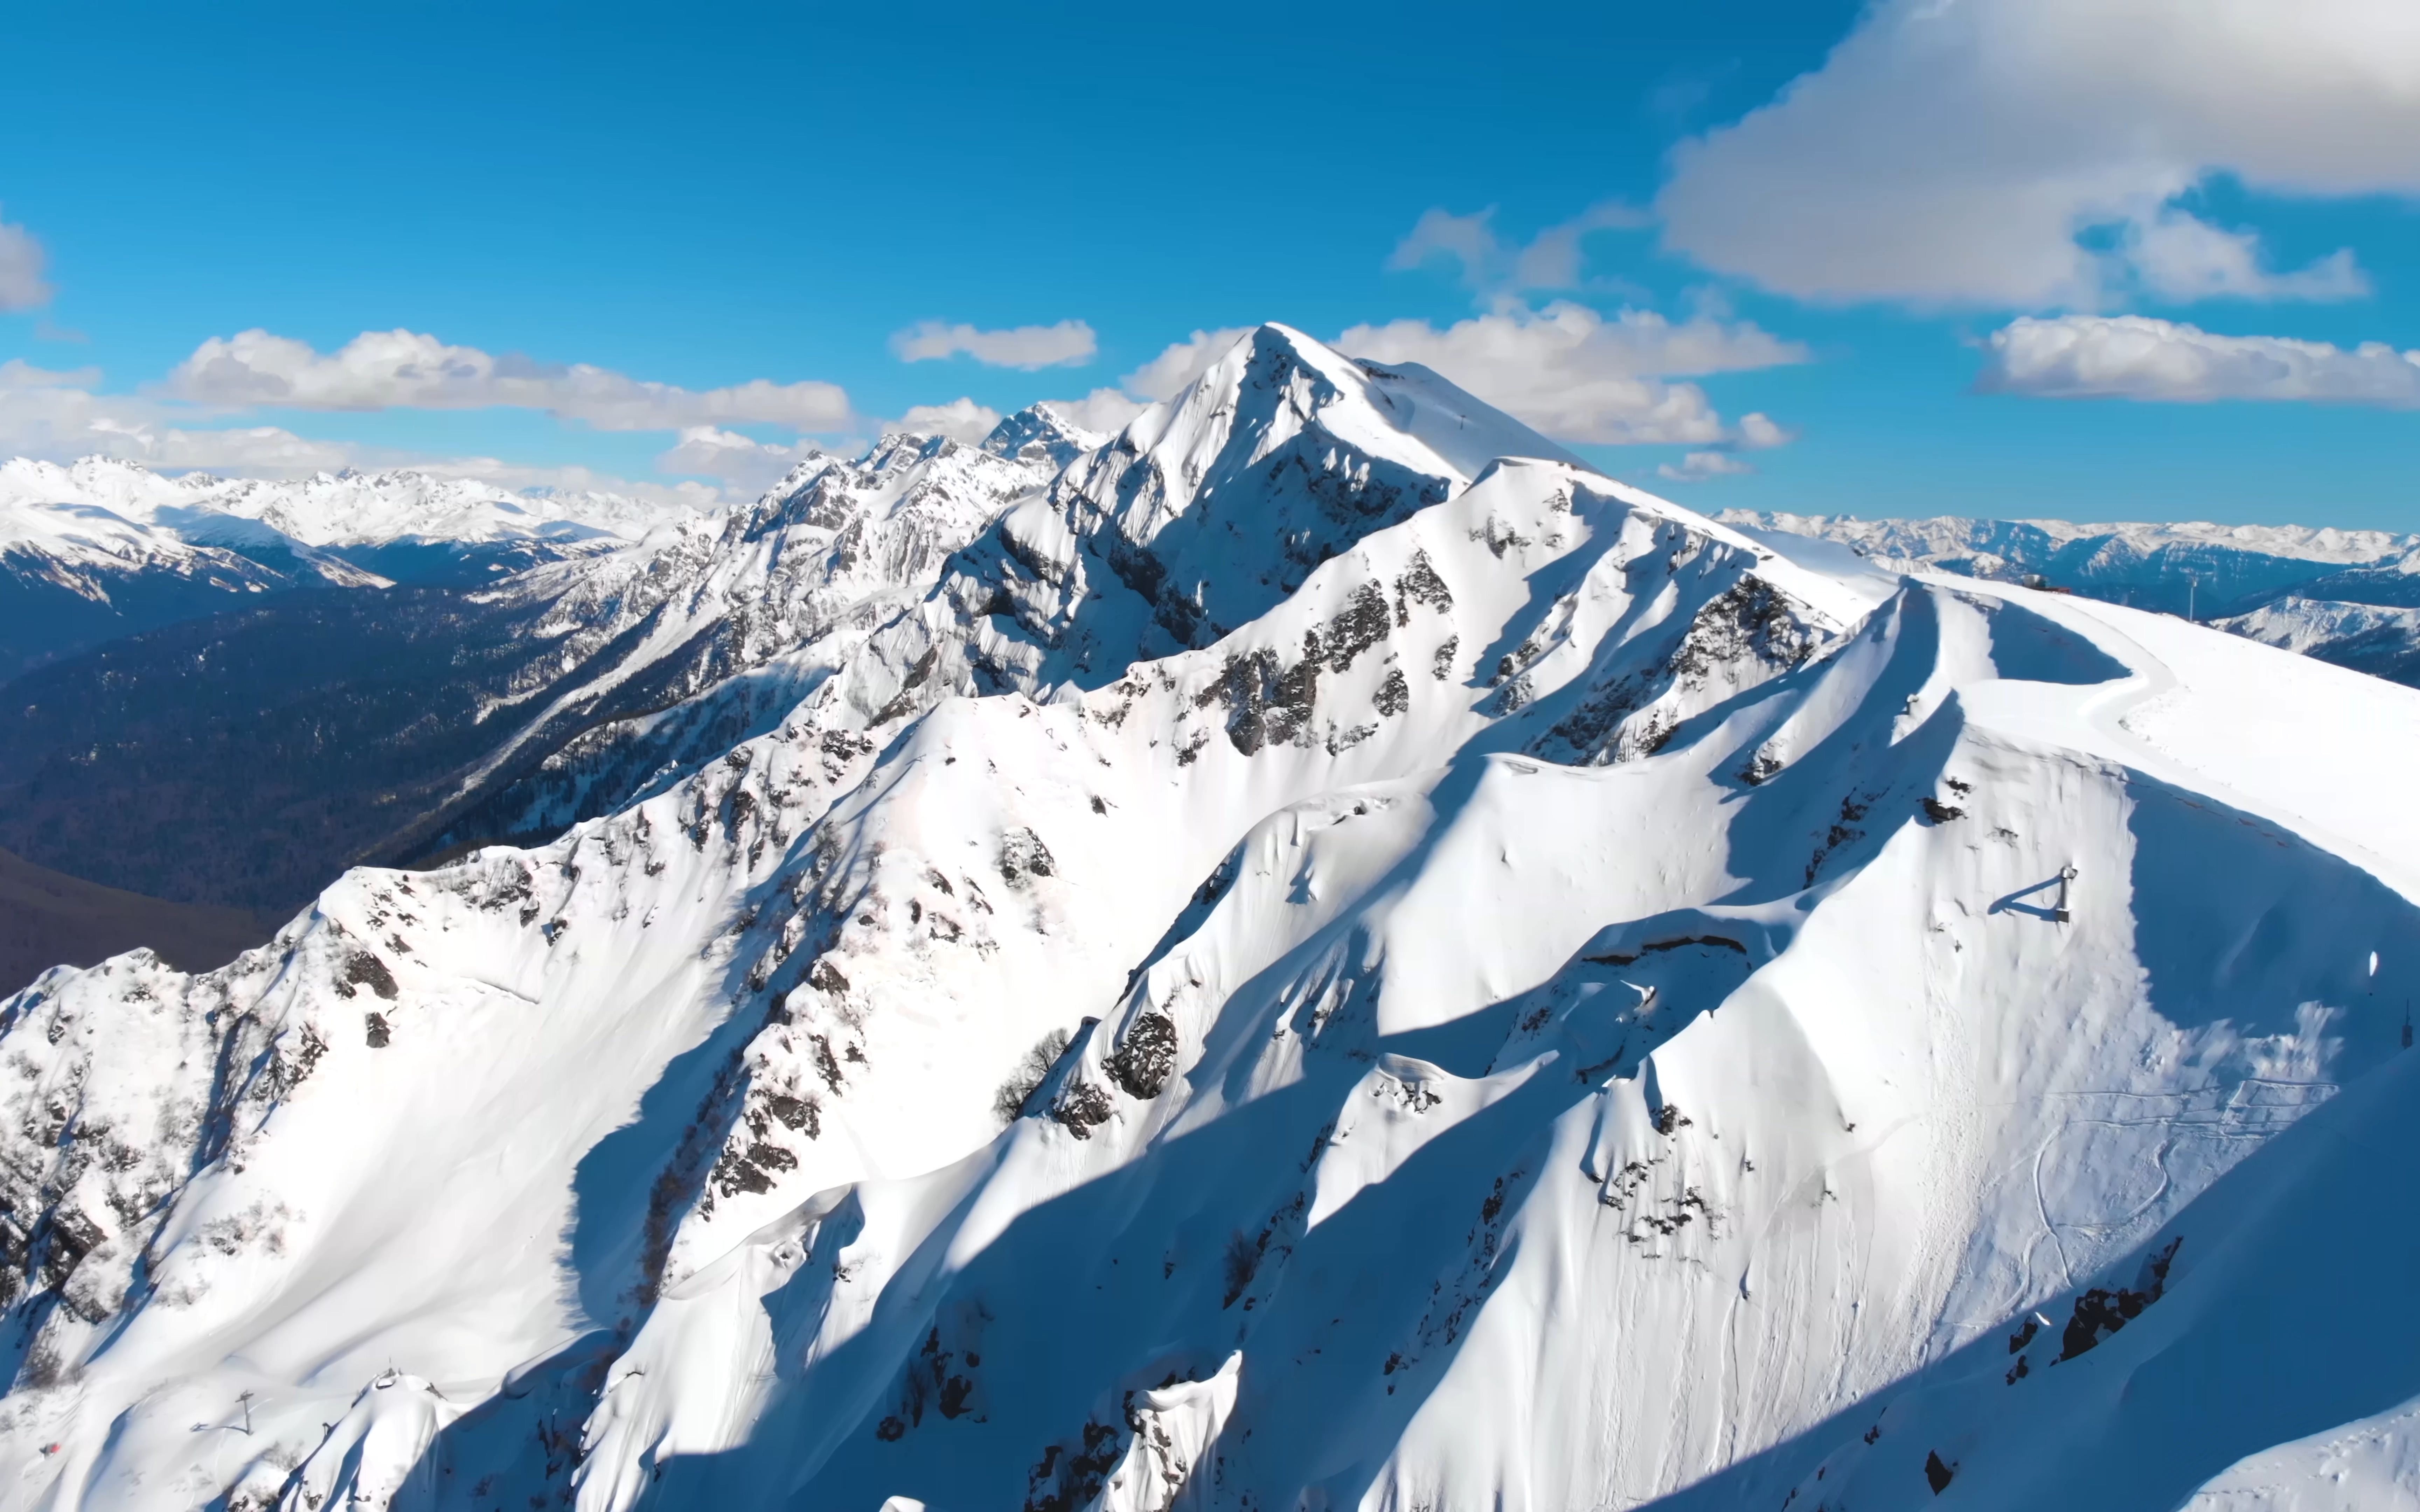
x=2086 y=258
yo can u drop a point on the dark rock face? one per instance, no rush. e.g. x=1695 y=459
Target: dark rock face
x=1144 y=1057
x=1937 y=1475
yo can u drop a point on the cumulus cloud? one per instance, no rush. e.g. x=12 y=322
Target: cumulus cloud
x=18 y=374
x=403 y=369
x=20 y=270
x=2135 y=357
x=1164 y=376
x=960 y=419
x=1697 y=466
x=682 y=494
x=753 y=465
x=1576 y=375
x=1550 y=260
x=2018 y=153
x=1109 y=410
x=1068 y=344
x=2181 y=258
x=749 y=465
x=1758 y=432
x=56 y=417
x=1105 y=410
x=1579 y=377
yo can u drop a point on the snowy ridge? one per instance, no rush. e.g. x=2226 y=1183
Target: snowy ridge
x=708 y=632
x=1041 y=437
x=84 y=549
x=2317 y=592
x=1503 y=993
x=2018 y=544
x=2213 y=569
x=99 y=547
x=329 y=509
x=72 y=575
x=2304 y=624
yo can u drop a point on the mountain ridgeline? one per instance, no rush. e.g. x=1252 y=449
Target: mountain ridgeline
x=1315 y=953
x=2350 y=597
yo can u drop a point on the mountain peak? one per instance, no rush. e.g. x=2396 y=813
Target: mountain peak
x=1279 y=379
x=1042 y=436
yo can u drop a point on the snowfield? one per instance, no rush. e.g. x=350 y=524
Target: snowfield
x=1313 y=954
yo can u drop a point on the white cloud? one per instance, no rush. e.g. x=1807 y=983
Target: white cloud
x=747 y=464
x=1758 y=432
x=20 y=270
x=1468 y=239
x=2135 y=357
x=2181 y=258
x=1697 y=466
x=1579 y=377
x=54 y=416
x=1550 y=260
x=1576 y=375
x=1068 y=344
x=1164 y=376
x=16 y=372
x=569 y=479
x=1109 y=410
x=1105 y=410
x=403 y=369
x=1954 y=151
x=960 y=419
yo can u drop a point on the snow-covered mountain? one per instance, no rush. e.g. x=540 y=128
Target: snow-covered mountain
x=2319 y=592
x=507 y=712
x=100 y=548
x=705 y=638
x=73 y=575
x=2380 y=639
x=1562 y=1002
x=336 y=511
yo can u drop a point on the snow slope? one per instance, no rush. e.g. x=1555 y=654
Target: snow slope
x=1502 y=992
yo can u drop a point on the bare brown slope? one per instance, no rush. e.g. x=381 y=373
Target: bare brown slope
x=49 y=919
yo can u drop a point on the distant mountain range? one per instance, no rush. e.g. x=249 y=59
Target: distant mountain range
x=2350 y=598
x=102 y=549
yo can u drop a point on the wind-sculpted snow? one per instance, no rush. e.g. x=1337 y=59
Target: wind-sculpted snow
x=1551 y=1005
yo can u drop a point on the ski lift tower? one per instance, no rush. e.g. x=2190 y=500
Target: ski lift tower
x=2061 y=912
